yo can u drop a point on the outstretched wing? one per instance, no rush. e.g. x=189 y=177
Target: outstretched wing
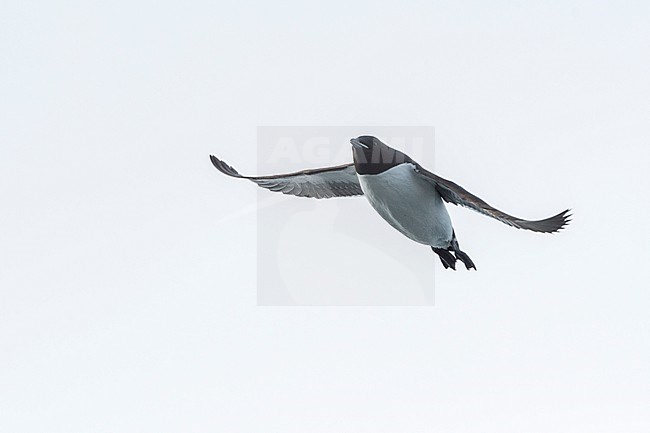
x=455 y=194
x=327 y=182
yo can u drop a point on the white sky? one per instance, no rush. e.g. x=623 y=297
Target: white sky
x=126 y=307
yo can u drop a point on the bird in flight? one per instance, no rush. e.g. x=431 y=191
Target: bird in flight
x=405 y=194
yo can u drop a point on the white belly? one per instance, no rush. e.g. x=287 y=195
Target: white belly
x=410 y=204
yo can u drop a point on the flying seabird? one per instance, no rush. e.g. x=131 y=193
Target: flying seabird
x=405 y=194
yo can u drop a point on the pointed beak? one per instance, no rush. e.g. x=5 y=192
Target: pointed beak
x=357 y=144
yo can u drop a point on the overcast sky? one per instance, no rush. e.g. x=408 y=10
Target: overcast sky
x=129 y=304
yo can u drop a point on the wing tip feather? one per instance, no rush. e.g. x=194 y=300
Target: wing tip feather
x=549 y=225
x=223 y=167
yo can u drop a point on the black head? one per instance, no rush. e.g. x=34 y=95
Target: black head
x=371 y=156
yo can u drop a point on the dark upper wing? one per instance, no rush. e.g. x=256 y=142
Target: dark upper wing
x=453 y=193
x=339 y=181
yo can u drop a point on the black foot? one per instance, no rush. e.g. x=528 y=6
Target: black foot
x=447 y=259
x=469 y=264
